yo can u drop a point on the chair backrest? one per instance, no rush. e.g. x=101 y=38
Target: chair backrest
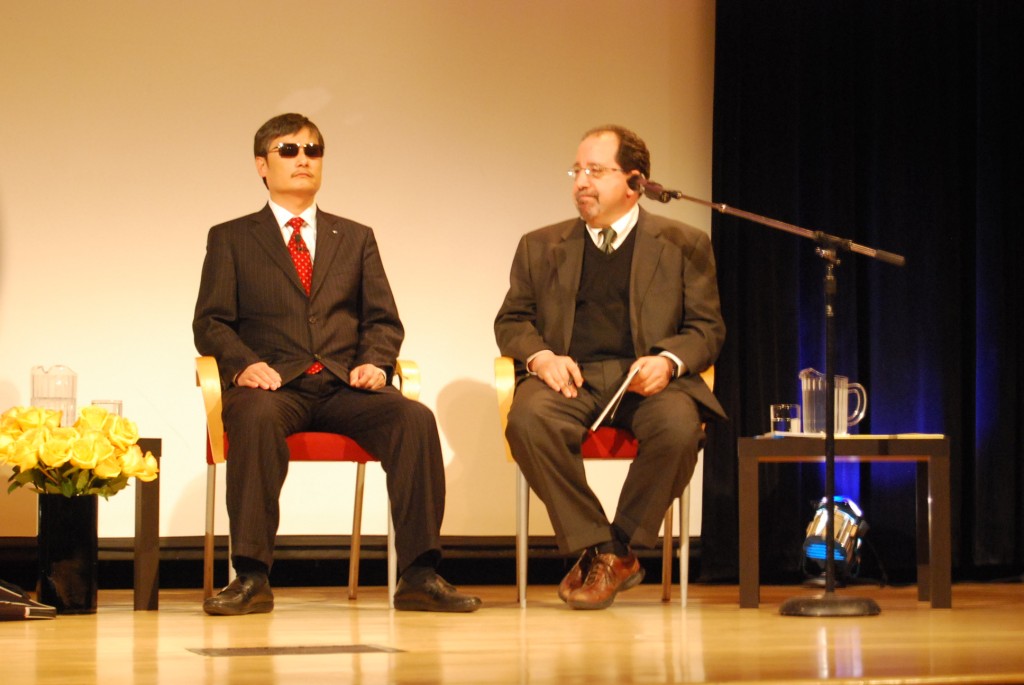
x=208 y=380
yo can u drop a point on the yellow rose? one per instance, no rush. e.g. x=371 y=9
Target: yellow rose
x=121 y=432
x=34 y=417
x=152 y=469
x=90 y=449
x=91 y=418
x=145 y=468
x=34 y=437
x=9 y=425
x=56 y=450
x=64 y=433
x=23 y=455
x=5 y=443
x=108 y=468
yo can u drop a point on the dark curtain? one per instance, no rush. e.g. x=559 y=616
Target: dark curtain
x=890 y=123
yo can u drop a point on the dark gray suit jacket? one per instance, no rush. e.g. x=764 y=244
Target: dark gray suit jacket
x=673 y=296
x=252 y=307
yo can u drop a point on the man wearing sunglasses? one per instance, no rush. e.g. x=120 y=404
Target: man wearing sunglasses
x=296 y=308
x=614 y=297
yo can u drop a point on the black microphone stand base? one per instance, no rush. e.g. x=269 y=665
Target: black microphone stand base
x=829 y=604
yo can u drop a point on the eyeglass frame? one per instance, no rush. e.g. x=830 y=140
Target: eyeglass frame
x=312 y=150
x=594 y=171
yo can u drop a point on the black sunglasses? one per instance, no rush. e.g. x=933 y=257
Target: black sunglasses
x=313 y=150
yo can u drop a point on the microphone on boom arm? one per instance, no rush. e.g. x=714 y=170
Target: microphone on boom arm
x=656 y=191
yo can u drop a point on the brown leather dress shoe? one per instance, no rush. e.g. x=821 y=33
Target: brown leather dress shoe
x=431 y=592
x=574 y=578
x=609 y=575
x=245 y=595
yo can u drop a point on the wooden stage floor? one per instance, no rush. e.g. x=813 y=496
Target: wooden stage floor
x=316 y=636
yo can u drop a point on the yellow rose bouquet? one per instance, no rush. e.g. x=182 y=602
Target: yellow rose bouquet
x=96 y=456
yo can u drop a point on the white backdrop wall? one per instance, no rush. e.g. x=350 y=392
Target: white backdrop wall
x=449 y=125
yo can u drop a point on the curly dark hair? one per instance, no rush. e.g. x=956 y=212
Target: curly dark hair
x=633 y=154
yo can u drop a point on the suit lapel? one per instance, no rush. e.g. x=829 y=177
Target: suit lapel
x=268 y=234
x=646 y=256
x=328 y=238
x=567 y=259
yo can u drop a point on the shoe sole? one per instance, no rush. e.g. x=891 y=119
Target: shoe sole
x=428 y=606
x=257 y=608
x=627 y=584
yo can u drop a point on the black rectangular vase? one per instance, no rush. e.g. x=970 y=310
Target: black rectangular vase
x=68 y=546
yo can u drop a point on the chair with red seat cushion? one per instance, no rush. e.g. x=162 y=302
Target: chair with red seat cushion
x=303 y=447
x=604 y=443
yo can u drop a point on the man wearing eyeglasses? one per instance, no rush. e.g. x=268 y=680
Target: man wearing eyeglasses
x=296 y=308
x=616 y=296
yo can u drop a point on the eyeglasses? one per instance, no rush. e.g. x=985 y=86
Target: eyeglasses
x=593 y=171
x=313 y=150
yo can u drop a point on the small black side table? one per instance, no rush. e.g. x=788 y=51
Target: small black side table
x=929 y=452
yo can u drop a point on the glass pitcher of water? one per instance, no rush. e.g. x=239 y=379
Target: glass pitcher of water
x=812 y=387
x=56 y=388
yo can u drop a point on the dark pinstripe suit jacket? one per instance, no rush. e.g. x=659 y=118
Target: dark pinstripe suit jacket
x=673 y=296
x=251 y=306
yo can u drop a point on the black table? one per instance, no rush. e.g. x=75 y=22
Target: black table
x=147 y=535
x=929 y=452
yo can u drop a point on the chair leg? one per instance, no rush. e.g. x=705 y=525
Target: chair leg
x=522 y=533
x=684 y=545
x=666 y=557
x=392 y=560
x=357 y=532
x=211 y=483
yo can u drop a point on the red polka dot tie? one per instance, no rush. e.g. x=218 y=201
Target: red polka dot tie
x=304 y=266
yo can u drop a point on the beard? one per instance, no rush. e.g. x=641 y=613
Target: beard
x=587 y=206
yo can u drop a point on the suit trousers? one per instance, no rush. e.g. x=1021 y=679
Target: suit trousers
x=545 y=432
x=400 y=432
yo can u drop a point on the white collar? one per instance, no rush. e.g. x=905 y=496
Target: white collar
x=623 y=225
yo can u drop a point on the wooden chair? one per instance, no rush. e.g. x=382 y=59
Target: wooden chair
x=604 y=443
x=309 y=446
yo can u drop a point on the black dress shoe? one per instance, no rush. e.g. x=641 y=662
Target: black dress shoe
x=430 y=592
x=245 y=595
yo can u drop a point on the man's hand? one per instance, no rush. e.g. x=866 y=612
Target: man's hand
x=259 y=375
x=653 y=376
x=367 y=377
x=560 y=373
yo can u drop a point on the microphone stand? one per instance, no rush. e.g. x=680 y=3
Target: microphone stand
x=829 y=246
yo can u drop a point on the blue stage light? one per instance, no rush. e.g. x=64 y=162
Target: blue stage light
x=849 y=528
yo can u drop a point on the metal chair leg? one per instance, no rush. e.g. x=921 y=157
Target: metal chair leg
x=357 y=533
x=684 y=545
x=522 y=534
x=392 y=560
x=666 y=556
x=211 y=484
